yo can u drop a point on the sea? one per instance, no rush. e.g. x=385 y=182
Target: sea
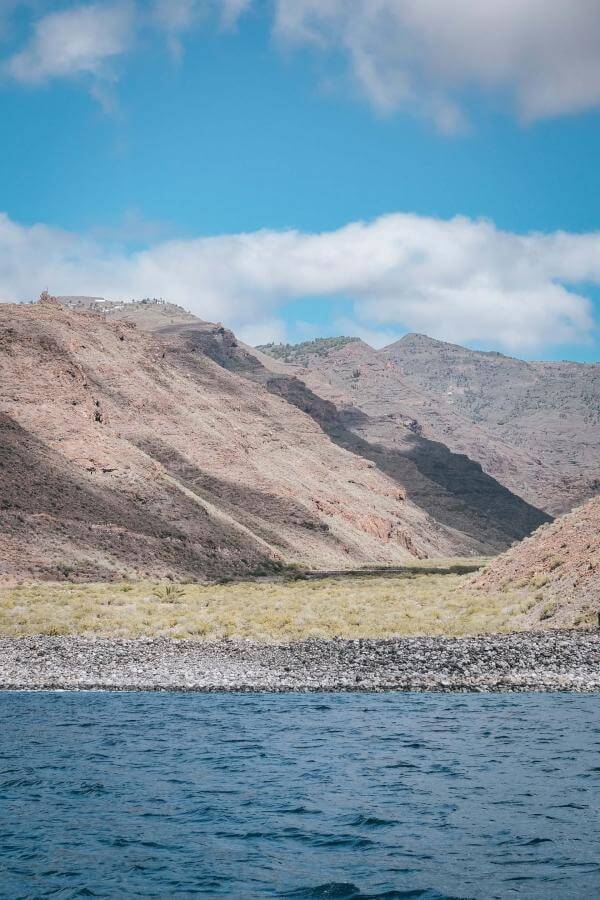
x=299 y=795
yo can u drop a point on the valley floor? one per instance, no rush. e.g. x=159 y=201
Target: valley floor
x=420 y=628
x=424 y=599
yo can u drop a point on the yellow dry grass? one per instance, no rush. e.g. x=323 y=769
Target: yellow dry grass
x=351 y=607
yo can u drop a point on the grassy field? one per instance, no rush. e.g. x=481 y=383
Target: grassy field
x=412 y=603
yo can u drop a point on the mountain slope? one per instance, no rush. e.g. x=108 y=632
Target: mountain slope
x=123 y=453
x=560 y=563
x=482 y=515
x=543 y=416
x=534 y=427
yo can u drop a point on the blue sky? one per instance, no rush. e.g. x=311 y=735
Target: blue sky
x=247 y=118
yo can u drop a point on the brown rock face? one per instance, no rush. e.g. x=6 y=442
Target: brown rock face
x=124 y=453
x=560 y=563
x=374 y=412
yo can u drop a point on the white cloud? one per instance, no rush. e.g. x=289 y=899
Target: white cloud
x=80 y=40
x=262 y=332
x=86 y=40
x=424 y=56
x=421 y=54
x=460 y=280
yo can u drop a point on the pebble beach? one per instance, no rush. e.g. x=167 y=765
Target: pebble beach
x=565 y=660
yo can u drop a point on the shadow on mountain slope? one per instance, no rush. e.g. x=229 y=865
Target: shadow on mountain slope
x=450 y=487
x=57 y=519
x=263 y=513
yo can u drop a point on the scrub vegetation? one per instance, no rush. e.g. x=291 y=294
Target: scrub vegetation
x=415 y=602
x=300 y=353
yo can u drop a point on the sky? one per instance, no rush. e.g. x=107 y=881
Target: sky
x=302 y=168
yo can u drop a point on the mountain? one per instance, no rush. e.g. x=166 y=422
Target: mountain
x=560 y=563
x=482 y=515
x=128 y=453
x=546 y=413
x=534 y=427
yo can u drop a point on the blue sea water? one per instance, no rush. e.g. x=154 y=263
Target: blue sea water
x=302 y=796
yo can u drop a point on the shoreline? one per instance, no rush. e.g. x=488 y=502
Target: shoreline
x=560 y=660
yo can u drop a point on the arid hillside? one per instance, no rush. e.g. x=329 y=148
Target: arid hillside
x=452 y=489
x=123 y=453
x=534 y=427
x=148 y=314
x=560 y=564
x=547 y=412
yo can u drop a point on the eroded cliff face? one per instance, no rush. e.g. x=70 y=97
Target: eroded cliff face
x=125 y=453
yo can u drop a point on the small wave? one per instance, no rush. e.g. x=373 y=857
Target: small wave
x=341 y=890
x=370 y=822
x=20 y=783
x=343 y=840
x=89 y=788
x=297 y=811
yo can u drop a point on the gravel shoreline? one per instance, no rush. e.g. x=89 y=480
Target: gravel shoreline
x=533 y=661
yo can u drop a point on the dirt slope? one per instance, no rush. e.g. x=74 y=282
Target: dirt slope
x=122 y=453
x=559 y=564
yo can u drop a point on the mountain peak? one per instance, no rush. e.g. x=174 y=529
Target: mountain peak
x=415 y=337
x=422 y=342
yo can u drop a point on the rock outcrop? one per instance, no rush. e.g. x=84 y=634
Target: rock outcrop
x=535 y=426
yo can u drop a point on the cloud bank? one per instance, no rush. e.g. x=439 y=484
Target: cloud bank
x=459 y=279
x=422 y=55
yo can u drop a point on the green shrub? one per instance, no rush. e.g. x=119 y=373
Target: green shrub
x=169 y=593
